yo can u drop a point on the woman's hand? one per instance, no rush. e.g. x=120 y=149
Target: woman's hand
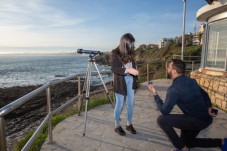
x=132 y=71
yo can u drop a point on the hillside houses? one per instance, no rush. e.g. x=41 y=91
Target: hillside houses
x=190 y=39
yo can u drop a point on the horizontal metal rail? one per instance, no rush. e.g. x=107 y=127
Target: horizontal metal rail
x=191 y=66
x=34 y=136
x=36 y=133
x=17 y=103
x=186 y=56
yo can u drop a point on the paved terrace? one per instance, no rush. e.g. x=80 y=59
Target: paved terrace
x=100 y=135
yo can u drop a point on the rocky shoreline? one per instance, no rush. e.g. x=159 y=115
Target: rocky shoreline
x=27 y=117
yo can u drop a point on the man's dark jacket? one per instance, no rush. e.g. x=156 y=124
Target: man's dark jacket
x=119 y=72
x=188 y=96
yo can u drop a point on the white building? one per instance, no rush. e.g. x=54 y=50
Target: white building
x=212 y=75
x=163 y=42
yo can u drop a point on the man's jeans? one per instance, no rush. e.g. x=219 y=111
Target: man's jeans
x=190 y=128
x=129 y=102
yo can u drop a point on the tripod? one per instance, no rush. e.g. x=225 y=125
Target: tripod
x=86 y=87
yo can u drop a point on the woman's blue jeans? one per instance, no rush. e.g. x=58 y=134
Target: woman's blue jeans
x=129 y=102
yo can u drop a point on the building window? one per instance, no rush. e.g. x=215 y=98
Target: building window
x=217 y=45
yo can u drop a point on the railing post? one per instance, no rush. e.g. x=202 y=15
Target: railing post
x=148 y=72
x=193 y=65
x=49 y=112
x=3 y=145
x=79 y=94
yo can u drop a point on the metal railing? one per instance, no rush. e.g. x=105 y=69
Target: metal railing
x=187 y=58
x=17 y=103
x=192 y=65
x=150 y=69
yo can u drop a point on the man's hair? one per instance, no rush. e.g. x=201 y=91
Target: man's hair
x=179 y=66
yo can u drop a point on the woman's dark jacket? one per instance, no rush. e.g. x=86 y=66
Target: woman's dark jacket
x=119 y=72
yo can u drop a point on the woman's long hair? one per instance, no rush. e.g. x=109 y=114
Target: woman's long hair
x=126 y=48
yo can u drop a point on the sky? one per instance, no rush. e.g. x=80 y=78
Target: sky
x=66 y=25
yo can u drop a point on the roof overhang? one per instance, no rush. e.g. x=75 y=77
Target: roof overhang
x=209 y=11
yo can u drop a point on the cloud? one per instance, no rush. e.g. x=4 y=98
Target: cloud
x=27 y=13
x=36 y=23
x=30 y=23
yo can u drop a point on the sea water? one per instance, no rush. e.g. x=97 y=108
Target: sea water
x=33 y=69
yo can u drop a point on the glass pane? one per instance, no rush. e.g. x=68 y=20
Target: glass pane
x=217 y=45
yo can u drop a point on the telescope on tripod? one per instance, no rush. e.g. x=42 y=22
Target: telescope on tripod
x=91 y=52
x=86 y=87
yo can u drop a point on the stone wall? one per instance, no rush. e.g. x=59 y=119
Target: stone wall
x=216 y=86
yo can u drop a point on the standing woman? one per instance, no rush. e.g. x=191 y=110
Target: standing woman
x=125 y=77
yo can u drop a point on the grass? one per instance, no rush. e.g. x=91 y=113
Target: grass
x=37 y=144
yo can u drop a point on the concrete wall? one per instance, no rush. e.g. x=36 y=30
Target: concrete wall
x=216 y=86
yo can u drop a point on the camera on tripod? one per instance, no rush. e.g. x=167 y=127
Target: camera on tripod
x=91 y=52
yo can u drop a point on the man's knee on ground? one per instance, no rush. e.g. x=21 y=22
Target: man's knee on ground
x=161 y=120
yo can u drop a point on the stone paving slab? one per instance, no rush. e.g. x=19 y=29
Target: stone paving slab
x=100 y=135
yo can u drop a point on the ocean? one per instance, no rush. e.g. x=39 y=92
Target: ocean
x=33 y=69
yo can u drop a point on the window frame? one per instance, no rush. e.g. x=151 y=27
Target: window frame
x=205 y=48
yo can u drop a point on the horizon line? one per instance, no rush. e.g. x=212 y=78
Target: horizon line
x=21 y=53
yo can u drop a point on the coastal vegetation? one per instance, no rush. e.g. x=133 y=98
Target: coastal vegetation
x=155 y=54
x=165 y=53
x=154 y=59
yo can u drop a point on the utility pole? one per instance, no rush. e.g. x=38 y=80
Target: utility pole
x=183 y=31
x=194 y=27
x=194 y=35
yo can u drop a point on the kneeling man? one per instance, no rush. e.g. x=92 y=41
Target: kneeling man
x=196 y=106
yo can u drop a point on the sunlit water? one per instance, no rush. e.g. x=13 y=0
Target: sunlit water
x=22 y=70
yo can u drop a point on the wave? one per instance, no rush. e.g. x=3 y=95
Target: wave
x=31 y=70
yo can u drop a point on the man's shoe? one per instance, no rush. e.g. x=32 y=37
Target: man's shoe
x=130 y=129
x=120 y=131
x=224 y=146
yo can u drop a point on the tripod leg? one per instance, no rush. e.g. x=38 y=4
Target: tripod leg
x=108 y=95
x=87 y=95
x=84 y=88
